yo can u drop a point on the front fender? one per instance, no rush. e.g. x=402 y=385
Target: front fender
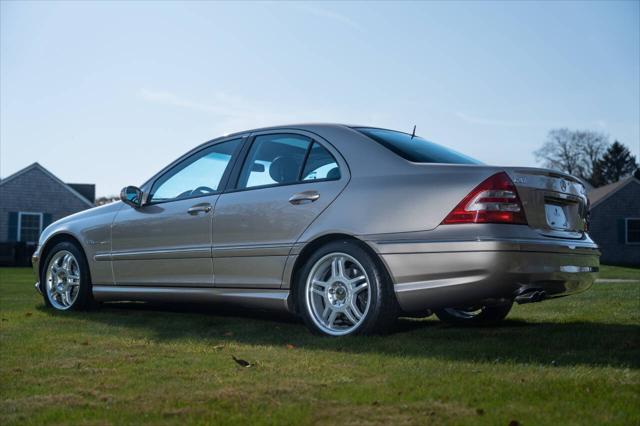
x=91 y=229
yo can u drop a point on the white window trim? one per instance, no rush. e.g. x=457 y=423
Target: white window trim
x=626 y=230
x=20 y=214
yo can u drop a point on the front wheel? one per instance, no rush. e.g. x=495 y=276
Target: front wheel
x=65 y=278
x=475 y=314
x=342 y=291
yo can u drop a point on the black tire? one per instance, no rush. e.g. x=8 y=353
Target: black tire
x=382 y=312
x=84 y=299
x=483 y=315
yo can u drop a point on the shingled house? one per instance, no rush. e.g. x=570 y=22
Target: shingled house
x=615 y=221
x=31 y=199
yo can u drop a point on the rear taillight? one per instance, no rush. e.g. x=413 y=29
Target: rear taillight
x=493 y=201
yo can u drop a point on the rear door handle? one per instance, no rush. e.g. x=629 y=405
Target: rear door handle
x=203 y=207
x=304 y=197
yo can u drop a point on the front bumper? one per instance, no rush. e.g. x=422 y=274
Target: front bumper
x=432 y=275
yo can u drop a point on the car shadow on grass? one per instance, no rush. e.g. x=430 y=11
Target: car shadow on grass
x=512 y=341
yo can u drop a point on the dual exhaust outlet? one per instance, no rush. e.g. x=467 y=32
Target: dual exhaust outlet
x=530 y=295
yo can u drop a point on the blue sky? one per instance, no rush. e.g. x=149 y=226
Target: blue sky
x=110 y=92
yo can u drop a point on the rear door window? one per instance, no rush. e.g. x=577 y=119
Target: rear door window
x=274 y=160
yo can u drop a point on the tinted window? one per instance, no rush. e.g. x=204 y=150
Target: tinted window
x=417 y=149
x=633 y=231
x=198 y=175
x=320 y=164
x=274 y=159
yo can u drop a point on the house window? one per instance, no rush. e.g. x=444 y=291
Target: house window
x=632 y=229
x=29 y=226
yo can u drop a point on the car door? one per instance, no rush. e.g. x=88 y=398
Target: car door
x=285 y=181
x=167 y=241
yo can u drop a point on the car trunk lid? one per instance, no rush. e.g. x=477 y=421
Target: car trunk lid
x=554 y=203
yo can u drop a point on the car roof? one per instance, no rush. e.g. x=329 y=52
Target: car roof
x=310 y=126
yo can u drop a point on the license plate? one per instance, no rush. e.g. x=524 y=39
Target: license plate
x=556 y=217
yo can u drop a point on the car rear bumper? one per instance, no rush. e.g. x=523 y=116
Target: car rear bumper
x=432 y=275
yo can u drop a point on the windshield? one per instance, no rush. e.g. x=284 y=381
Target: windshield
x=415 y=149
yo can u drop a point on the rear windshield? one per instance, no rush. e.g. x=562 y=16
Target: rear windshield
x=417 y=149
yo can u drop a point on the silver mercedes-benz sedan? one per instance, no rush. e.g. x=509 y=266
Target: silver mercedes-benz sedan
x=348 y=227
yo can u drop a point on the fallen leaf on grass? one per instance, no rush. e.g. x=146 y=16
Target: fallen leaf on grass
x=28 y=314
x=85 y=343
x=241 y=362
x=228 y=333
x=290 y=346
x=480 y=411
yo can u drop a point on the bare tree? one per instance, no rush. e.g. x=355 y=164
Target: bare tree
x=574 y=152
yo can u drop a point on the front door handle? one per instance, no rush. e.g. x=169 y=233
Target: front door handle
x=203 y=207
x=304 y=197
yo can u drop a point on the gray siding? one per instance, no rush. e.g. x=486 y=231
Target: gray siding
x=607 y=225
x=35 y=191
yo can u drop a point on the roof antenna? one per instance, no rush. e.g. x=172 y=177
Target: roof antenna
x=413 y=134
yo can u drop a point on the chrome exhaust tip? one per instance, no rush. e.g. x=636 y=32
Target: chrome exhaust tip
x=531 y=295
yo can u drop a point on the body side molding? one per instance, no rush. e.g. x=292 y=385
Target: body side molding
x=253 y=298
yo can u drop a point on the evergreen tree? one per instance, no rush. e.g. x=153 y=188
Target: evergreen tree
x=616 y=163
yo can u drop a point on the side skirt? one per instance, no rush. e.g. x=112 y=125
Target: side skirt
x=248 y=297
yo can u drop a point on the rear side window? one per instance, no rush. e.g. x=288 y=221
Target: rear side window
x=320 y=164
x=273 y=160
x=415 y=149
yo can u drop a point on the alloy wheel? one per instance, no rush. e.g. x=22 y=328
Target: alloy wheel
x=62 y=280
x=338 y=294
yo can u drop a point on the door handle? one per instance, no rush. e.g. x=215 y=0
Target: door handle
x=304 y=197
x=204 y=207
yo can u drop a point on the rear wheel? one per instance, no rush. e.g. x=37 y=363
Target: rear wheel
x=65 y=278
x=342 y=291
x=475 y=314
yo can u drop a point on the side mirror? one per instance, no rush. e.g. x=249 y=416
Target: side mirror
x=131 y=195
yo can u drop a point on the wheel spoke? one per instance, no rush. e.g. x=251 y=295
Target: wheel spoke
x=66 y=260
x=350 y=316
x=355 y=311
x=337 y=267
x=319 y=283
x=358 y=288
x=357 y=280
x=332 y=319
x=327 y=310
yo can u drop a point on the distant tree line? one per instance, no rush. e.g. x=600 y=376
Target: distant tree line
x=588 y=155
x=106 y=200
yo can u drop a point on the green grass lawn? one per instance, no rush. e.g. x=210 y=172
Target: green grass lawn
x=568 y=361
x=619 y=272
